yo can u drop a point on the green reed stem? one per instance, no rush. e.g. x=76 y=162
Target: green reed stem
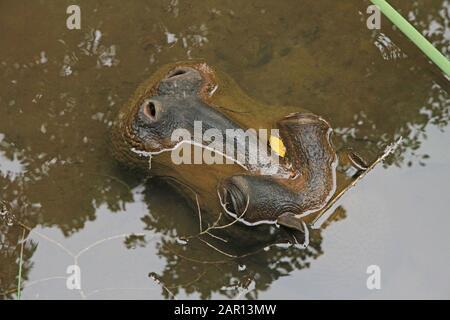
x=19 y=280
x=415 y=36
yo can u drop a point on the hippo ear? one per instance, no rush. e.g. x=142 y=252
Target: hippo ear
x=289 y=220
x=308 y=141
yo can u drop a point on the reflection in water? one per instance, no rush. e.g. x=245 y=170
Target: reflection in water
x=60 y=91
x=195 y=265
x=207 y=266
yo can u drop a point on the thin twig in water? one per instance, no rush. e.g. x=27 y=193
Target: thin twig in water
x=206 y=231
x=217 y=249
x=215 y=225
x=387 y=151
x=217 y=237
x=237 y=218
x=199 y=213
x=216 y=261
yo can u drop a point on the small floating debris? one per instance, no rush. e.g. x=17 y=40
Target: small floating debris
x=4 y=210
x=357 y=161
x=5 y=214
x=181 y=241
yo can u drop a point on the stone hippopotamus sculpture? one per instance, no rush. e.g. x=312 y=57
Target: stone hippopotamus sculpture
x=181 y=95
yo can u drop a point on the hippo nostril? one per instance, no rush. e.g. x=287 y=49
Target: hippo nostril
x=181 y=80
x=150 y=109
x=176 y=72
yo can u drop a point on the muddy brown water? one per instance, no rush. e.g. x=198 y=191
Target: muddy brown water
x=59 y=94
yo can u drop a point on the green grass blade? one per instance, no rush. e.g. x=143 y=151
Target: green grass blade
x=415 y=36
x=19 y=277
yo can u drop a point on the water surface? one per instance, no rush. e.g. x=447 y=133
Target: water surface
x=60 y=90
